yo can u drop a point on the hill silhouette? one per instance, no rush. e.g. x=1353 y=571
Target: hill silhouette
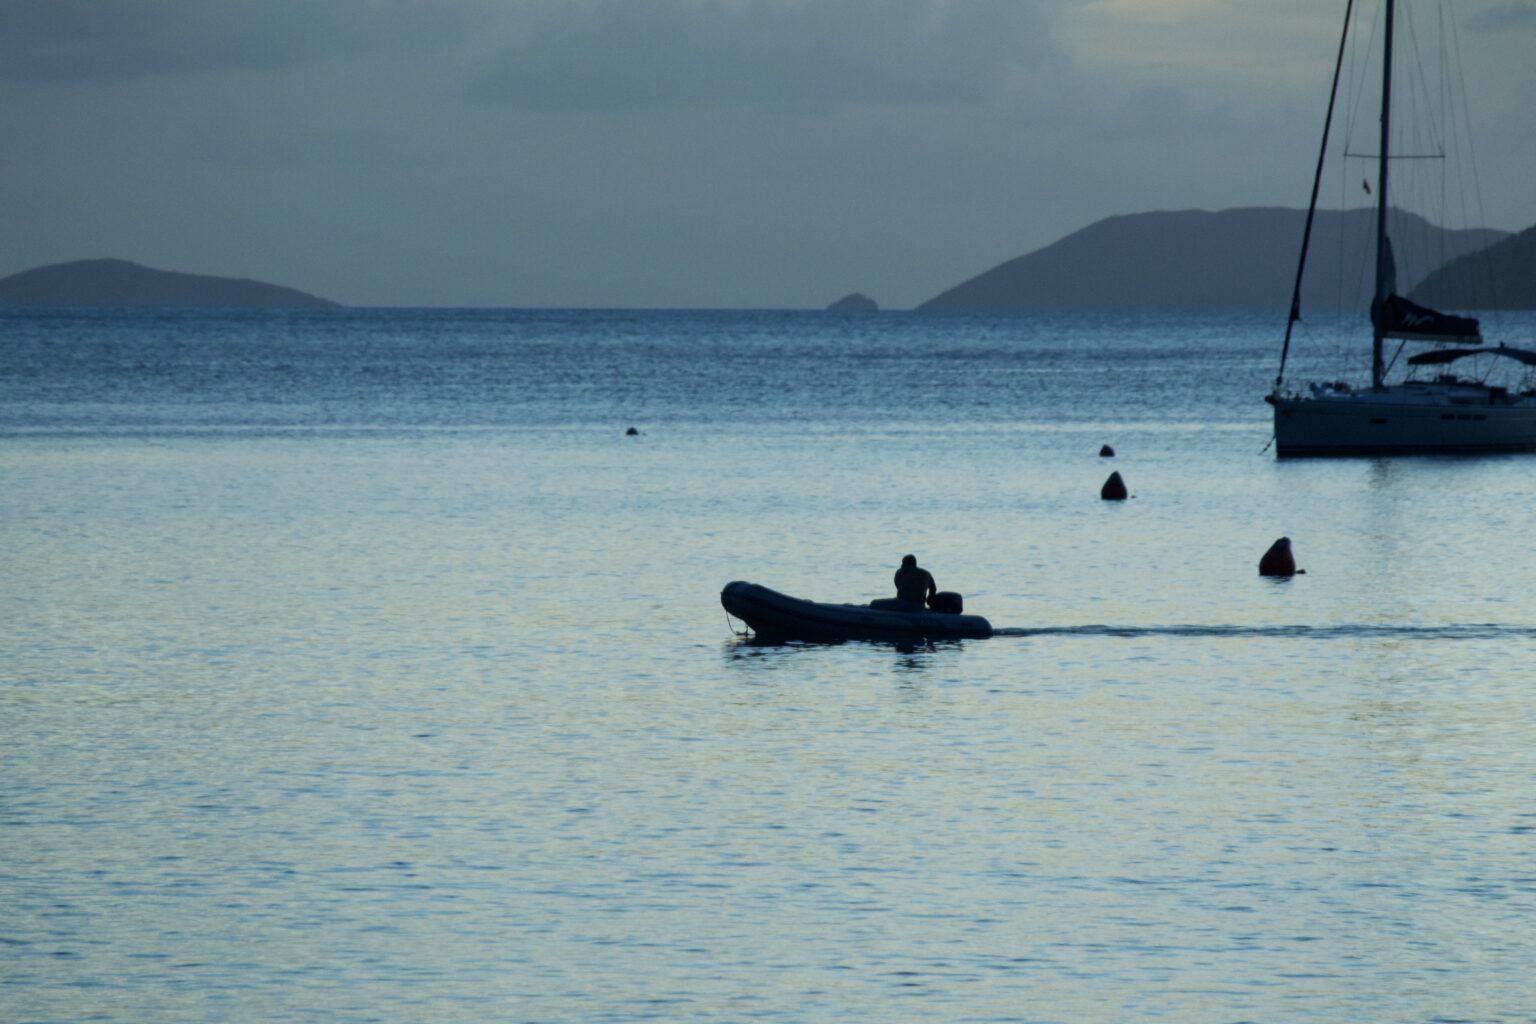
x=856 y=302
x=1195 y=260
x=1502 y=276
x=110 y=282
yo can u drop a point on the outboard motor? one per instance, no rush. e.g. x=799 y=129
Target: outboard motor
x=948 y=602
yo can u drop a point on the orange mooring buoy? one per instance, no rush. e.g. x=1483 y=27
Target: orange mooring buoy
x=1278 y=560
x=1113 y=489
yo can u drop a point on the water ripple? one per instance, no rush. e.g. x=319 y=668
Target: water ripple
x=1340 y=631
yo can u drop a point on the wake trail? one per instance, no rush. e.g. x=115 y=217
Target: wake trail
x=1343 y=631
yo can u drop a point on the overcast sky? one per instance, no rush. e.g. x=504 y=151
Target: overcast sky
x=672 y=153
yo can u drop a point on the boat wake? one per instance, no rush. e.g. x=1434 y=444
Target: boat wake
x=1343 y=631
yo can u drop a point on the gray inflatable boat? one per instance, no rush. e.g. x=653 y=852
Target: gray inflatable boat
x=775 y=616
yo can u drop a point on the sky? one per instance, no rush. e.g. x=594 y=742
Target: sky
x=674 y=153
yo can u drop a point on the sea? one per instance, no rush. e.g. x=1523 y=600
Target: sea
x=361 y=666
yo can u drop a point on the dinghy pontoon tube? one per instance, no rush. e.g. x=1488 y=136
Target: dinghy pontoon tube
x=776 y=616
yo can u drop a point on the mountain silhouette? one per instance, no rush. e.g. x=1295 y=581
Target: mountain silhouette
x=1502 y=276
x=1196 y=261
x=121 y=283
x=855 y=302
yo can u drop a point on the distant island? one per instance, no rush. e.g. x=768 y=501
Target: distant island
x=854 y=303
x=1194 y=261
x=121 y=283
x=1502 y=276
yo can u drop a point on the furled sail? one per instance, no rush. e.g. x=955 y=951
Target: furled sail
x=1396 y=317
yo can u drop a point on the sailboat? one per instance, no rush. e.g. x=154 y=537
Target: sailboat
x=1442 y=414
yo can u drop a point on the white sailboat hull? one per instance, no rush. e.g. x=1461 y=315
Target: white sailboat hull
x=1404 y=419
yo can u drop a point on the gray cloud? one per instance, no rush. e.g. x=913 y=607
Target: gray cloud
x=613 y=54
x=94 y=40
x=1503 y=17
x=665 y=152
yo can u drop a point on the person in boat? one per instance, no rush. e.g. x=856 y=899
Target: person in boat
x=914 y=585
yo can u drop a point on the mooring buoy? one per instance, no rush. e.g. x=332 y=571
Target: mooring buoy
x=1106 y=452
x=631 y=432
x=1278 y=560
x=1114 y=489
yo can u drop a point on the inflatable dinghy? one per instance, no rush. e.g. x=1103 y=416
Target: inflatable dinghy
x=775 y=616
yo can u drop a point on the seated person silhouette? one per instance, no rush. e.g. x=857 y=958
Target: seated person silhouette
x=914 y=586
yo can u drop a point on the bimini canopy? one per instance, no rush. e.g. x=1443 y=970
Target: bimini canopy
x=1450 y=355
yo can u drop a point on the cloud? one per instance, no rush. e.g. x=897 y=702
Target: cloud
x=1503 y=17
x=1212 y=44
x=614 y=54
x=95 y=40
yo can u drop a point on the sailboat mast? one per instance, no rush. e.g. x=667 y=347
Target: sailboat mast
x=1383 y=253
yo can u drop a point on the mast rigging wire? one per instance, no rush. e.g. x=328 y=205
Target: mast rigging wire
x=1317 y=180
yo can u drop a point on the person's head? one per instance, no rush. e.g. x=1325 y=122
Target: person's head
x=908 y=561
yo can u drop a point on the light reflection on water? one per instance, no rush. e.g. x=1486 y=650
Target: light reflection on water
x=446 y=724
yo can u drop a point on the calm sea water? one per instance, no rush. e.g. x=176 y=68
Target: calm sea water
x=359 y=668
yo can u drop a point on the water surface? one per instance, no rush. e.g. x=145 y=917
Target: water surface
x=359 y=668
